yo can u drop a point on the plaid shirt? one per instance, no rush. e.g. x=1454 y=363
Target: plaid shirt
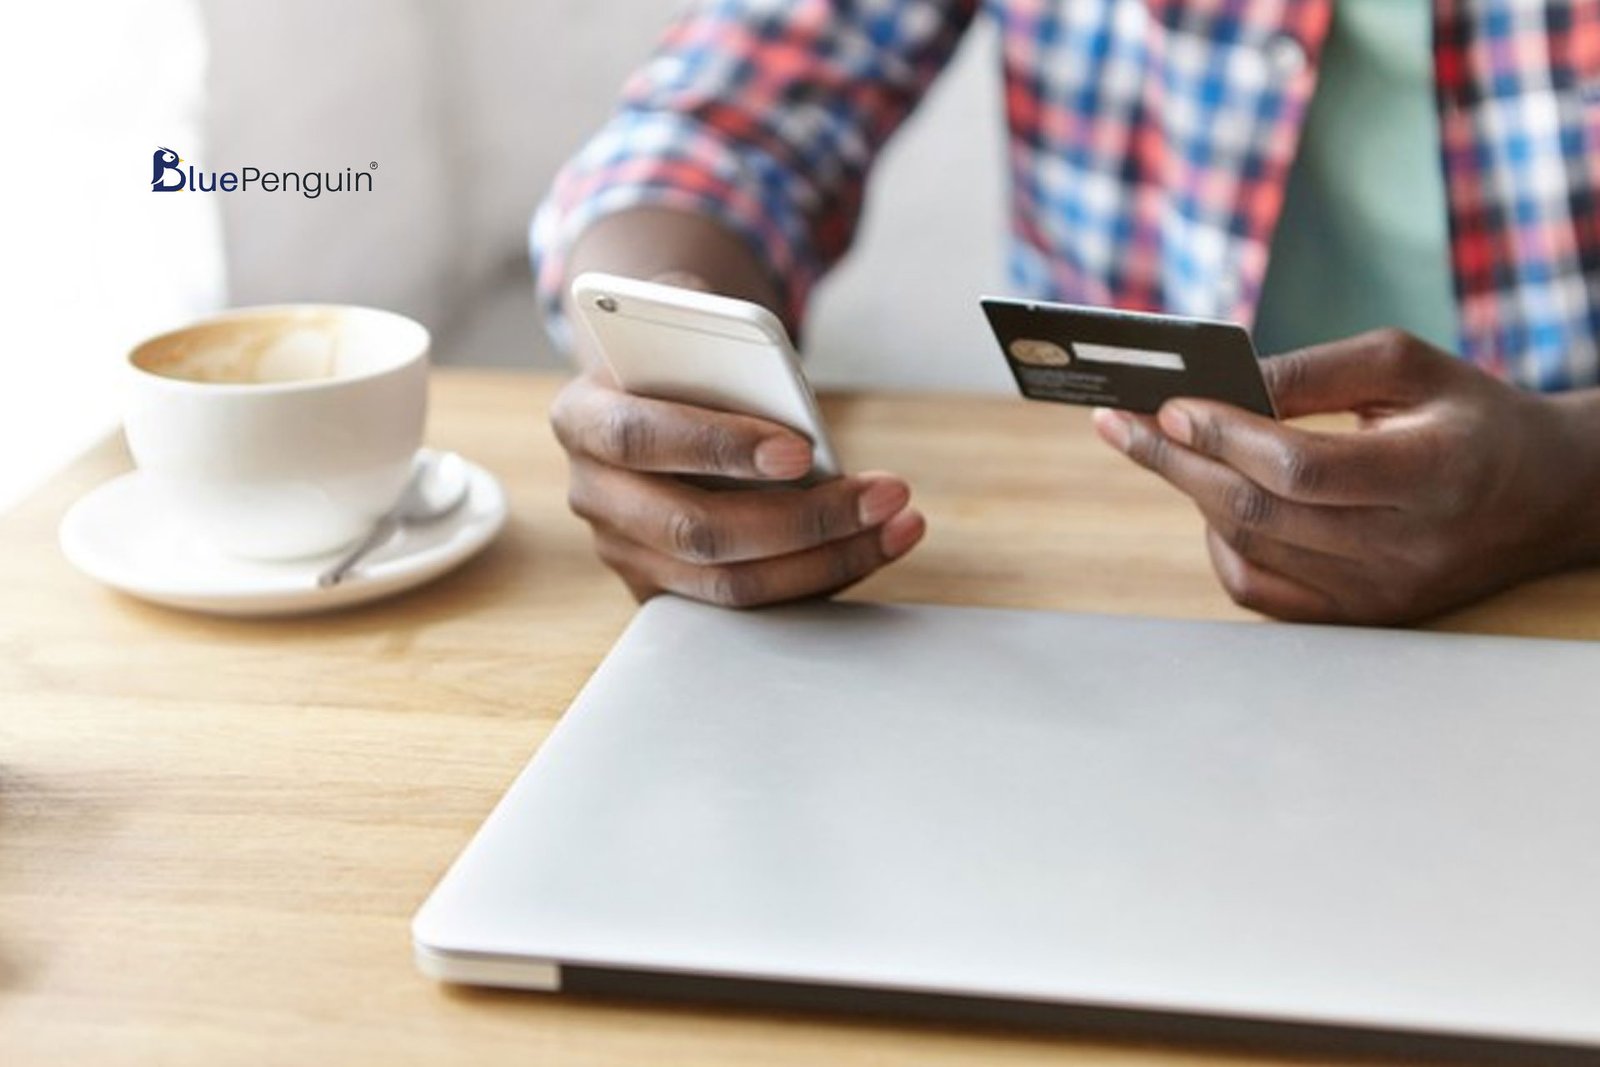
x=1150 y=146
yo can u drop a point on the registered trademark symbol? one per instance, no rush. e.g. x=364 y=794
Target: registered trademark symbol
x=373 y=165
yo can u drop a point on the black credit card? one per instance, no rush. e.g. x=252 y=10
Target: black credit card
x=1125 y=359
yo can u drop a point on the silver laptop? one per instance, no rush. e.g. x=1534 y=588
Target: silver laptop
x=1321 y=835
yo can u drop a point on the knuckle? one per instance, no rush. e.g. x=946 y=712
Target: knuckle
x=717 y=447
x=1299 y=472
x=1248 y=505
x=1235 y=537
x=694 y=536
x=732 y=587
x=819 y=522
x=1148 y=449
x=1392 y=341
x=854 y=561
x=1394 y=348
x=626 y=434
x=1209 y=438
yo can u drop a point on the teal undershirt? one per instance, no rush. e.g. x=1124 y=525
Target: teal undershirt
x=1363 y=241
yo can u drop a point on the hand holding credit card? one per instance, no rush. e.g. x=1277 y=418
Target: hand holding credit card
x=1134 y=361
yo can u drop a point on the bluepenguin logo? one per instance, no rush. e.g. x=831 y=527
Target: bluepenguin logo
x=166 y=160
x=170 y=176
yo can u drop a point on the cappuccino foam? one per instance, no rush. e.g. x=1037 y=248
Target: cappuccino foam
x=249 y=350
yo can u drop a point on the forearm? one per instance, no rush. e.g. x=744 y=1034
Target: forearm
x=1579 y=413
x=652 y=242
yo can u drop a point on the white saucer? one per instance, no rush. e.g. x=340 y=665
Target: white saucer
x=114 y=536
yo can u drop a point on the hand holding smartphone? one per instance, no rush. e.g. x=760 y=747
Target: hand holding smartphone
x=701 y=461
x=698 y=348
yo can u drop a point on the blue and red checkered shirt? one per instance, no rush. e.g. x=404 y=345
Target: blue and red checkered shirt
x=1150 y=147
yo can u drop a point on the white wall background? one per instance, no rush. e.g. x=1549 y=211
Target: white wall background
x=468 y=109
x=93 y=260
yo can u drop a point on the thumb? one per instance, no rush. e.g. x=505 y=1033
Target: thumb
x=1383 y=368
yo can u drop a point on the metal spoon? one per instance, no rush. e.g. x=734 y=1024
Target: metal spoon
x=437 y=487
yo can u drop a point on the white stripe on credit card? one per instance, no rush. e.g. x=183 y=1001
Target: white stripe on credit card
x=1128 y=357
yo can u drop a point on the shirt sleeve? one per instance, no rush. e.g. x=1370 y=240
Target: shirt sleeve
x=763 y=115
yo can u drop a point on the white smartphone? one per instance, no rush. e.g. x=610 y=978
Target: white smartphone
x=711 y=351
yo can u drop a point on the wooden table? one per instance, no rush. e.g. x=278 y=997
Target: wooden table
x=213 y=833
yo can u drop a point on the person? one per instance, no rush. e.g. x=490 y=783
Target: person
x=1402 y=196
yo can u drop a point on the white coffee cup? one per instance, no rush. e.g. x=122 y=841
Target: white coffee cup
x=281 y=432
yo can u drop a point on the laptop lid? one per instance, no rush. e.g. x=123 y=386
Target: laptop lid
x=1014 y=814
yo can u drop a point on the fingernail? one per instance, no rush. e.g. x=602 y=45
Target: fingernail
x=880 y=500
x=1176 y=423
x=1114 y=427
x=901 y=533
x=783 y=457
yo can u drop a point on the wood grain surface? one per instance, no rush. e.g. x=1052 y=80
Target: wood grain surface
x=213 y=833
